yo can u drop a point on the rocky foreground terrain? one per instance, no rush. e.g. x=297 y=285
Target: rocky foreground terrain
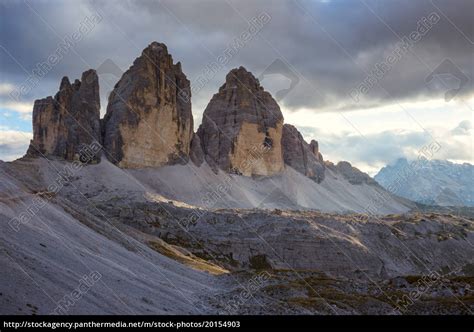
x=156 y=255
x=136 y=213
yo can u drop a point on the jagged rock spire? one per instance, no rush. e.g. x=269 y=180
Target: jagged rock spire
x=67 y=125
x=303 y=157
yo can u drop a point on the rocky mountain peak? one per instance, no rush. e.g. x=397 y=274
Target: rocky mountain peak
x=155 y=53
x=156 y=47
x=65 y=125
x=351 y=173
x=242 y=127
x=240 y=77
x=433 y=182
x=148 y=122
x=65 y=84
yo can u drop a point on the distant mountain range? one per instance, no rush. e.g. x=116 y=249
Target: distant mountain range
x=434 y=182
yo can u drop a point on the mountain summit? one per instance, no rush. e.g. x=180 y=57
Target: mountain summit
x=149 y=122
x=433 y=182
x=63 y=125
x=242 y=120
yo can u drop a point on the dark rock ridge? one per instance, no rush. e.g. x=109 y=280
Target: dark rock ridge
x=68 y=124
x=242 y=127
x=351 y=173
x=149 y=122
x=303 y=157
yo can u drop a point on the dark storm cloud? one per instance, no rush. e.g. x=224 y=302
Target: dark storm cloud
x=328 y=45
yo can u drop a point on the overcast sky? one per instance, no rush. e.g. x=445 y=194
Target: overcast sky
x=354 y=75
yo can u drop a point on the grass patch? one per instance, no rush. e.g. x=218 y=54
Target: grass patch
x=190 y=260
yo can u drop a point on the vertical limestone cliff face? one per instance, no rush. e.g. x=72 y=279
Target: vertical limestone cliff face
x=148 y=122
x=67 y=125
x=303 y=157
x=242 y=128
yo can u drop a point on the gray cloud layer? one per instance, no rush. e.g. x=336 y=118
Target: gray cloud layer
x=329 y=45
